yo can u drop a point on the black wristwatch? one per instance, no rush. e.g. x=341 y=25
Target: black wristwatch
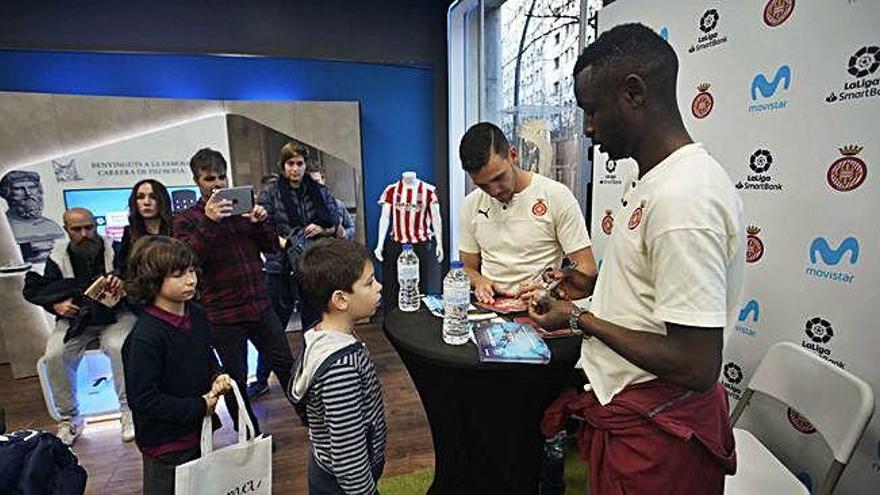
x=576 y=312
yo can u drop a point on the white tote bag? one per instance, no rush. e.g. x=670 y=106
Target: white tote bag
x=241 y=468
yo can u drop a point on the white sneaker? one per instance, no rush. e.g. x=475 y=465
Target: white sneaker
x=127 y=425
x=69 y=430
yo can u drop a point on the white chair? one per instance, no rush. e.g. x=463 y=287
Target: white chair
x=839 y=413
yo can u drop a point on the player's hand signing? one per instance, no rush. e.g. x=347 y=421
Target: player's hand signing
x=485 y=290
x=550 y=313
x=530 y=290
x=572 y=284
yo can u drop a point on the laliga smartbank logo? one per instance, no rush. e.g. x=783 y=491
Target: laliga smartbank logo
x=862 y=65
x=760 y=163
x=708 y=35
x=733 y=376
x=763 y=91
x=748 y=316
x=610 y=177
x=823 y=257
x=819 y=333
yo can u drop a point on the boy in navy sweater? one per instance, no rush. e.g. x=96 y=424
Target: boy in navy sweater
x=170 y=368
x=335 y=387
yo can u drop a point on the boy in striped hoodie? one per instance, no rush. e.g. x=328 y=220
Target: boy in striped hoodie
x=335 y=388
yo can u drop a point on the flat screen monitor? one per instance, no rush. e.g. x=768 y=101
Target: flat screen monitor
x=110 y=206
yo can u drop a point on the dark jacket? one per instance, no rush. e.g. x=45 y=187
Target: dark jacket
x=229 y=254
x=167 y=370
x=290 y=211
x=34 y=462
x=60 y=281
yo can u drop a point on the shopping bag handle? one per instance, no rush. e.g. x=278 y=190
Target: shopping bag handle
x=245 y=425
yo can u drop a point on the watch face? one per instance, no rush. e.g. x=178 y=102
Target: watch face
x=576 y=313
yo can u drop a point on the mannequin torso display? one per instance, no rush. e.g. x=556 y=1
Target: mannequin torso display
x=410 y=207
x=416 y=214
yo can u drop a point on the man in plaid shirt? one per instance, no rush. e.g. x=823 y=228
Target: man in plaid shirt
x=234 y=291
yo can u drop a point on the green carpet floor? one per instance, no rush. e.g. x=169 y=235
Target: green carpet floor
x=418 y=482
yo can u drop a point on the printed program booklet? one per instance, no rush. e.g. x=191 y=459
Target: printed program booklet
x=100 y=291
x=501 y=341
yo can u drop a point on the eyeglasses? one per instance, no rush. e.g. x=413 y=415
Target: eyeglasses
x=82 y=228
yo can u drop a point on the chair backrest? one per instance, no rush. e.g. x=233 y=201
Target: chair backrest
x=837 y=403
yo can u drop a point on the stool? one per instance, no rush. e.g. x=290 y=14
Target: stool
x=95 y=391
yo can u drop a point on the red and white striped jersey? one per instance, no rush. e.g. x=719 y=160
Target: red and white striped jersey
x=411 y=211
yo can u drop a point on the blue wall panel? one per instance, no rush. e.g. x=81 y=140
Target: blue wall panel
x=397 y=124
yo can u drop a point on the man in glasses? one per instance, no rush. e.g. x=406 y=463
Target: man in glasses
x=71 y=268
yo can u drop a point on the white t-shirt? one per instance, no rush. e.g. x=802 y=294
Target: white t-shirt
x=538 y=227
x=676 y=254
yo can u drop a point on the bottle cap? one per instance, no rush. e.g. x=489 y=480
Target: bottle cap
x=407 y=247
x=456 y=264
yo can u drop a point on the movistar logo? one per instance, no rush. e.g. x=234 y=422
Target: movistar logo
x=751 y=309
x=767 y=89
x=820 y=248
x=664 y=33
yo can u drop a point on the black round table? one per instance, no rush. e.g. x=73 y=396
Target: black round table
x=485 y=417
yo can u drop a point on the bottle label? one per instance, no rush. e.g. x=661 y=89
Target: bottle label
x=457 y=298
x=407 y=272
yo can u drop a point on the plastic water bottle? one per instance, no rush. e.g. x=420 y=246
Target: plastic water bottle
x=408 y=278
x=456 y=301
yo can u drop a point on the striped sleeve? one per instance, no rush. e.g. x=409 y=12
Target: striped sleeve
x=344 y=418
x=387 y=196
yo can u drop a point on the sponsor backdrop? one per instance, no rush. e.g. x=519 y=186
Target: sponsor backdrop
x=785 y=94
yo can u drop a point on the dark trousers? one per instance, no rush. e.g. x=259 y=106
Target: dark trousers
x=159 y=472
x=323 y=483
x=230 y=340
x=282 y=304
x=390 y=287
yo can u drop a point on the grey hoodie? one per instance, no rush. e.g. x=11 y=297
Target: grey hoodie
x=319 y=345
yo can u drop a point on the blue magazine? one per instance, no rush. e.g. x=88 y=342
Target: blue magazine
x=509 y=342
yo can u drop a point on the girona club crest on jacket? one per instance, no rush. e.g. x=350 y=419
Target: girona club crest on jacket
x=539 y=208
x=607 y=222
x=636 y=218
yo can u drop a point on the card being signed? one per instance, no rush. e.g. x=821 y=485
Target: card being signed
x=506 y=305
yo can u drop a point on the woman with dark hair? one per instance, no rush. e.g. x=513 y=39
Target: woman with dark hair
x=302 y=211
x=149 y=213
